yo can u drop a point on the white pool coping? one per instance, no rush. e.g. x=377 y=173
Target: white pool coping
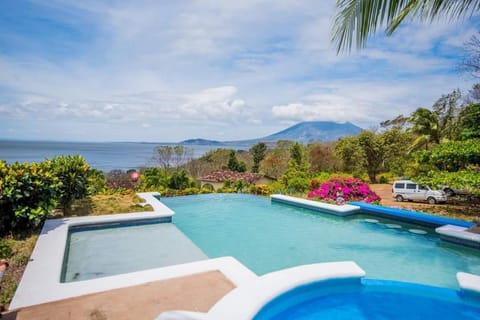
x=245 y=301
x=459 y=235
x=468 y=282
x=343 y=210
x=40 y=282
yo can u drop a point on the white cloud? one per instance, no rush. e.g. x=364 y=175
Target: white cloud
x=190 y=65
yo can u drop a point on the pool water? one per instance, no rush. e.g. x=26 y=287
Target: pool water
x=269 y=236
x=106 y=250
x=369 y=300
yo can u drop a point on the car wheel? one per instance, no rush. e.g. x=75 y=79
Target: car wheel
x=431 y=200
x=399 y=198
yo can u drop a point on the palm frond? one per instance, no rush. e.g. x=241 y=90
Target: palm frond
x=356 y=20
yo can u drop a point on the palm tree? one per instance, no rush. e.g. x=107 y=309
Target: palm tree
x=358 y=19
x=425 y=124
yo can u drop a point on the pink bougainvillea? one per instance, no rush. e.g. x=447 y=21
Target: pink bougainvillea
x=352 y=189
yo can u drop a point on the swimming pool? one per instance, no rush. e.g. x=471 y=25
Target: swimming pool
x=269 y=236
x=96 y=251
x=369 y=299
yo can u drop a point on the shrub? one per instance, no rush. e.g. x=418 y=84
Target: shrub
x=72 y=173
x=179 y=180
x=27 y=194
x=352 y=189
x=96 y=182
x=153 y=178
x=260 y=189
x=297 y=185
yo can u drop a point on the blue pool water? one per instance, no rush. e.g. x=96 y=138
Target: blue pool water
x=369 y=300
x=269 y=236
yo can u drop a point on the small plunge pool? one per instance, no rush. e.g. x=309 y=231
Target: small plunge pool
x=370 y=299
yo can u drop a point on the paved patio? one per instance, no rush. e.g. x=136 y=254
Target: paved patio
x=198 y=292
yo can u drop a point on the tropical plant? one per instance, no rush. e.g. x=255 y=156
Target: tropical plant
x=72 y=173
x=179 y=180
x=425 y=125
x=96 y=181
x=356 y=20
x=468 y=180
x=452 y=156
x=352 y=189
x=27 y=194
x=469 y=122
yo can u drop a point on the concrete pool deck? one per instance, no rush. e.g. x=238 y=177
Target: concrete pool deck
x=196 y=293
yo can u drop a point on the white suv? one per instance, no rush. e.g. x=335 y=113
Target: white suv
x=409 y=190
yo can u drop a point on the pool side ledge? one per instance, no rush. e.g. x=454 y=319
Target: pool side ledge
x=459 y=235
x=468 y=282
x=245 y=301
x=343 y=210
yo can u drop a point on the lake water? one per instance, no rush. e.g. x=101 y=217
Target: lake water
x=105 y=156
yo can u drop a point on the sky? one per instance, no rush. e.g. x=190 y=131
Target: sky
x=165 y=71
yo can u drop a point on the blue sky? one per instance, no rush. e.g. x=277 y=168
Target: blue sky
x=151 y=70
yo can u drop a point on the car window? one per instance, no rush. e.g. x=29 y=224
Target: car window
x=400 y=185
x=411 y=186
x=422 y=188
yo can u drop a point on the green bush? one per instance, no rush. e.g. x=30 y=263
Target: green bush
x=451 y=156
x=27 y=194
x=260 y=189
x=179 y=180
x=96 y=181
x=297 y=185
x=72 y=173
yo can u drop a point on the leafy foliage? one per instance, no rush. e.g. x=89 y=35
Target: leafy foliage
x=72 y=173
x=469 y=122
x=356 y=20
x=352 y=189
x=468 y=180
x=179 y=180
x=234 y=164
x=27 y=194
x=258 y=151
x=452 y=156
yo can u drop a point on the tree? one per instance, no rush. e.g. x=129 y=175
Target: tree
x=234 y=164
x=373 y=150
x=469 y=122
x=258 y=151
x=447 y=110
x=396 y=142
x=348 y=149
x=471 y=60
x=322 y=157
x=425 y=126
x=356 y=20
x=172 y=156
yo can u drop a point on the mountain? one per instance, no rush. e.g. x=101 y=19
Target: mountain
x=303 y=132
x=201 y=142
